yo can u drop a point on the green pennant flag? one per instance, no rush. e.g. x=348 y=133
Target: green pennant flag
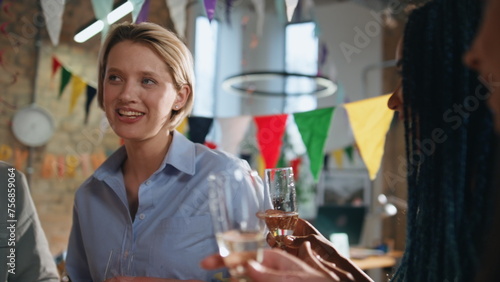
x=349 y=151
x=313 y=127
x=65 y=77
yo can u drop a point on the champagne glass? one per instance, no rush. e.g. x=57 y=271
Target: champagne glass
x=236 y=198
x=282 y=218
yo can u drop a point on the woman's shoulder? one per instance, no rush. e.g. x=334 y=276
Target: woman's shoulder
x=218 y=157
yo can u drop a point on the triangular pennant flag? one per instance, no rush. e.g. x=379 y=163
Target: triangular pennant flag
x=280 y=10
x=270 y=131
x=137 y=4
x=199 y=128
x=295 y=164
x=350 y=153
x=182 y=127
x=91 y=91
x=290 y=8
x=78 y=86
x=55 y=65
x=370 y=119
x=101 y=10
x=259 y=6
x=177 y=11
x=210 y=8
x=65 y=77
x=233 y=131
x=313 y=127
x=143 y=14
x=229 y=5
x=338 y=155
x=53 y=11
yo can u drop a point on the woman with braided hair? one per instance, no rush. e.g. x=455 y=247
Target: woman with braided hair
x=449 y=137
x=449 y=134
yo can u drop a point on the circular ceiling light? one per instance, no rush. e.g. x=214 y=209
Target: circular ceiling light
x=279 y=84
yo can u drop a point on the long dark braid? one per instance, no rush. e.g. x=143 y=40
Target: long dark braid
x=449 y=134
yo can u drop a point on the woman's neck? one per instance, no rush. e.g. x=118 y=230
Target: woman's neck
x=145 y=157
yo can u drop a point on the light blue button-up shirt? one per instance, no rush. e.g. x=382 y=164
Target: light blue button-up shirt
x=172 y=230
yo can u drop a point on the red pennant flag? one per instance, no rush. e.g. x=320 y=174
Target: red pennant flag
x=3 y=28
x=6 y=8
x=295 y=164
x=270 y=131
x=55 y=65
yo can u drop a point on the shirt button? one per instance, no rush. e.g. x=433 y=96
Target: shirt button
x=148 y=182
x=142 y=216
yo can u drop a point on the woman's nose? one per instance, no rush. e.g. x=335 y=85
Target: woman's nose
x=471 y=58
x=128 y=93
x=394 y=101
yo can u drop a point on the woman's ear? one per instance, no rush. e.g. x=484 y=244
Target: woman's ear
x=182 y=95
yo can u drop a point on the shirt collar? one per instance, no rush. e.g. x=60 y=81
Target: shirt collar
x=181 y=155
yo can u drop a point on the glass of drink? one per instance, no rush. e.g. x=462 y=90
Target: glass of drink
x=235 y=199
x=282 y=218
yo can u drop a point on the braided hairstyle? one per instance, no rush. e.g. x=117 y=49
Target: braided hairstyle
x=449 y=137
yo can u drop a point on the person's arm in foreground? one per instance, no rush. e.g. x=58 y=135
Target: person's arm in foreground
x=34 y=262
x=323 y=254
x=276 y=266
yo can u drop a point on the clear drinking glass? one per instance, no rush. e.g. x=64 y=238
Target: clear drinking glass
x=282 y=218
x=236 y=198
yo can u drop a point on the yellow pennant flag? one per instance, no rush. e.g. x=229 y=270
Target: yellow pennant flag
x=370 y=119
x=182 y=127
x=338 y=156
x=78 y=86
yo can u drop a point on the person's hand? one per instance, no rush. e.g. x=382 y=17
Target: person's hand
x=276 y=266
x=321 y=254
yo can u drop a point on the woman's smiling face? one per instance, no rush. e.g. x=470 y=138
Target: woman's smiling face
x=139 y=93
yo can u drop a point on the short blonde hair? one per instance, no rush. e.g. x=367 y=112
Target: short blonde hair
x=164 y=43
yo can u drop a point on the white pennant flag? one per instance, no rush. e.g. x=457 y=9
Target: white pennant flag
x=177 y=11
x=53 y=11
x=290 y=8
x=233 y=131
x=137 y=4
x=101 y=10
x=260 y=11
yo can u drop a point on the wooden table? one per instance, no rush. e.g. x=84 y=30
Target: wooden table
x=378 y=261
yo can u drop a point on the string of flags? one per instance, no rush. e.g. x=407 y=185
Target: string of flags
x=78 y=86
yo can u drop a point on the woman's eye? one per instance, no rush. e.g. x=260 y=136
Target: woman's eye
x=113 y=78
x=148 y=81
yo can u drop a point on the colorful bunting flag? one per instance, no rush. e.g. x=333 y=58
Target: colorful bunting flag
x=199 y=128
x=101 y=10
x=210 y=8
x=78 y=85
x=182 y=127
x=143 y=14
x=55 y=65
x=338 y=156
x=177 y=11
x=350 y=153
x=137 y=4
x=313 y=127
x=65 y=77
x=270 y=131
x=280 y=10
x=53 y=12
x=90 y=94
x=370 y=119
x=290 y=8
x=233 y=131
